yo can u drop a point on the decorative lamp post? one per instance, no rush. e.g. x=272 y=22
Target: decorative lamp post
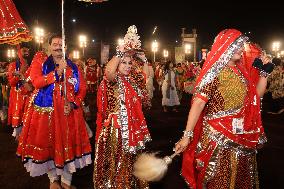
x=275 y=47
x=39 y=36
x=76 y=54
x=166 y=54
x=11 y=54
x=154 y=49
x=83 y=43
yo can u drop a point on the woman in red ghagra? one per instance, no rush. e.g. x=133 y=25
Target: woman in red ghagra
x=121 y=126
x=224 y=126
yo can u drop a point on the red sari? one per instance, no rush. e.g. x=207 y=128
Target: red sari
x=198 y=166
x=49 y=139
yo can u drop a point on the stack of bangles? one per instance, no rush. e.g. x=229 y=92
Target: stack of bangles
x=188 y=134
x=119 y=54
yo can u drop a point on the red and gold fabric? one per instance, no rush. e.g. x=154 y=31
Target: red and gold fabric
x=109 y=102
x=121 y=132
x=231 y=119
x=91 y=74
x=92 y=78
x=13 y=29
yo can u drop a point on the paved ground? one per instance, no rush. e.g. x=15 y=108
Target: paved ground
x=166 y=129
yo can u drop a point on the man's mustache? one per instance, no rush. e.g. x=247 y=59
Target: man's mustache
x=58 y=50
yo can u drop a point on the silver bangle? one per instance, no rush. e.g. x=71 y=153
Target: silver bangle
x=263 y=74
x=188 y=134
x=119 y=54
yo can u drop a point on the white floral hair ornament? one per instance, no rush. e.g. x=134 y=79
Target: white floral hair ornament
x=131 y=39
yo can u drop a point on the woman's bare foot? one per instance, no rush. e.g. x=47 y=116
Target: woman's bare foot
x=65 y=186
x=165 y=110
x=55 y=185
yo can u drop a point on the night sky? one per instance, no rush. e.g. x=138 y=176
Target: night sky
x=109 y=20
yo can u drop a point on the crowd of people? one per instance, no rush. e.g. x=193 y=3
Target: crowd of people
x=47 y=103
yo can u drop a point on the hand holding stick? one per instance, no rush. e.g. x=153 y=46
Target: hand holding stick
x=149 y=167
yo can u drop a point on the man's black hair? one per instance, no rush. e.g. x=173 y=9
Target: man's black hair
x=25 y=45
x=53 y=36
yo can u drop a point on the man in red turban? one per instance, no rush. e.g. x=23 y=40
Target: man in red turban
x=20 y=88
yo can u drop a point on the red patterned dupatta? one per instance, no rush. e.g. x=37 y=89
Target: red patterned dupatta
x=225 y=45
x=252 y=109
x=129 y=119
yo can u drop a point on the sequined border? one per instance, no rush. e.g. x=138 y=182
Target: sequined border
x=221 y=62
x=43 y=109
x=123 y=118
x=222 y=143
x=221 y=114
